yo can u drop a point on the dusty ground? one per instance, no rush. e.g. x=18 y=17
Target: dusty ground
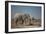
x=33 y=24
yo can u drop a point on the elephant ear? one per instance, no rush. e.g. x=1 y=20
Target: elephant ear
x=20 y=17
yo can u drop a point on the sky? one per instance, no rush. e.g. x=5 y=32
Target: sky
x=34 y=11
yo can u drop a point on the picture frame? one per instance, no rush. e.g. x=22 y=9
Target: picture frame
x=8 y=16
